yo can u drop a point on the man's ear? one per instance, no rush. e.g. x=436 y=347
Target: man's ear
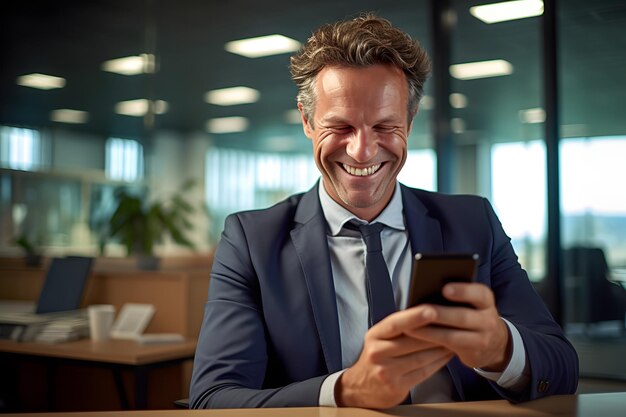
x=306 y=126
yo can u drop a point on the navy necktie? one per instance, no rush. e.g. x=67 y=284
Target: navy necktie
x=378 y=284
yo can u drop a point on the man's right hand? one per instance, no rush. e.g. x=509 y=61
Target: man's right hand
x=391 y=362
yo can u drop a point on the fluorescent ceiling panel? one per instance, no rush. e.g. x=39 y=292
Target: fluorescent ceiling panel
x=481 y=69
x=292 y=116
x=457 y=125
x=263 y=46
x=458 y=100
x=535 y=115
x=41 y=81
x=508 y=10
x=427 y=103
x=130 y=65
x=139 y=107
x=227 y=124
x=69 y=116
x=232 y=96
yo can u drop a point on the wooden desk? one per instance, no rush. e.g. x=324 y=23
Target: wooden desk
x=178 y=292
x=116 y=355
x=587 y=405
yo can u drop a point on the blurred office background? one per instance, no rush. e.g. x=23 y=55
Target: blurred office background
x=537 y=126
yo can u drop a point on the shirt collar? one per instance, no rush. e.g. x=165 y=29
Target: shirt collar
x=336 y=215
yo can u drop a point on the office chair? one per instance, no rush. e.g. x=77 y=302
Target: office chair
x=591 y=296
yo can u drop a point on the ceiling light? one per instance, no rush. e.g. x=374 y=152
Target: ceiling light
x=227 y=124
x=457 y=125
x=536 y=115
x=281 y=143
x=481 y=69
x=232 y=96
x=508 y=10
x=69 y=116
x=131 y=65
x=458 y=100
x=41 y=81
x=292 y=116
x=263 y=46
x=139 y=107
x=427 y=103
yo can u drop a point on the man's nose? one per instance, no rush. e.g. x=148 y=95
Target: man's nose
x=362 y=146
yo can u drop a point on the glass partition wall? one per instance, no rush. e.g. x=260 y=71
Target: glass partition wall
x=497 y=111
x=593 y=170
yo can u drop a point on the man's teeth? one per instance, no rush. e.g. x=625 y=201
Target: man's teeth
x=361 y=172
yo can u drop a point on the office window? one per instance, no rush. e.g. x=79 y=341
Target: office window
x=593 y=206
x=420 y=170
x=518 y=194
x=239 y=180
x=20 y=148
x=124 y=159
x=593 y=202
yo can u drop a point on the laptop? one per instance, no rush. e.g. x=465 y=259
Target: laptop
x=60 y=297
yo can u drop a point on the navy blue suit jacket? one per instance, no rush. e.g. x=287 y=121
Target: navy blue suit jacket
x=271 y=335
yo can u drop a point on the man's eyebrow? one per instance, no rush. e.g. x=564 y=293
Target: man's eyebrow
x=336 y=119
x=333 y=119
x=392 y=120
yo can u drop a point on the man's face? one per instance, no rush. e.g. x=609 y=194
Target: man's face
x=359 y=133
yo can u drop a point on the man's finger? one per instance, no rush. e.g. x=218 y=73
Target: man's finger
x=399 y=322
x=476 y=294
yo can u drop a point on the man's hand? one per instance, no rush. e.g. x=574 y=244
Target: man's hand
x=478 y=336
x=391 y=362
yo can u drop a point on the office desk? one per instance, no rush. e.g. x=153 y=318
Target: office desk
x=586 y=405
x=116 y=355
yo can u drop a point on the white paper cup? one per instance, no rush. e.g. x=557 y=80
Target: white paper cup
x=100 y=321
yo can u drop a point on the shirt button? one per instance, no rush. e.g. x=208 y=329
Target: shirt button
x=543 y=386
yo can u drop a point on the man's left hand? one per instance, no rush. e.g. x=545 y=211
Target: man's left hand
x=478 y=336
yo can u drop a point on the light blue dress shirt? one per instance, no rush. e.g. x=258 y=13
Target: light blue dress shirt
x=347 y=258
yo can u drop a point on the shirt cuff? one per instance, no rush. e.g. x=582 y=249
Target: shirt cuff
x=515 y=376
x=327 y=391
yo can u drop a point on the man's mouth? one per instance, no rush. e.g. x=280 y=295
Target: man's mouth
x=361 y=172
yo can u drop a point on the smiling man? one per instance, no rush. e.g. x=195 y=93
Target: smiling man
x=307 y=301
x=360 y=149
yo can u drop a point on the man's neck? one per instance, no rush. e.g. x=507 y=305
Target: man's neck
x=364 y=213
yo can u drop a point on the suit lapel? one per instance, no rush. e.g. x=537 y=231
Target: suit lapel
x=309 y=239
x=424 y=230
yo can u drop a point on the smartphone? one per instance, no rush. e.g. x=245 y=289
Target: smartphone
x=432 y=271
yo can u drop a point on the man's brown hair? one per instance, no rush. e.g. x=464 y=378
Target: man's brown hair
x=361 y=42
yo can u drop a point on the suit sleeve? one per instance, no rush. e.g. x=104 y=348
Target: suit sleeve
x=232 y=356
x=552 y=360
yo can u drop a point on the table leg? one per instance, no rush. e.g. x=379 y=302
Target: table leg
x=141 y=388
x=51 y=376
x=121 y=392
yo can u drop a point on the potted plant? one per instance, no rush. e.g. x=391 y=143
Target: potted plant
x=139 y=224
x=32 y=254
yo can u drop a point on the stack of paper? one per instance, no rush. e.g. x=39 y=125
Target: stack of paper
x=64 y=330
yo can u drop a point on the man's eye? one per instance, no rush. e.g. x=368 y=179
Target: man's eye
x=385 y=128
x=341 y=129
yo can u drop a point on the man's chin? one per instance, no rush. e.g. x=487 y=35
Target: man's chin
x=357 y=201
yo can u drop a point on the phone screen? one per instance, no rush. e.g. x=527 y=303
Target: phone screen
x=432 y=271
